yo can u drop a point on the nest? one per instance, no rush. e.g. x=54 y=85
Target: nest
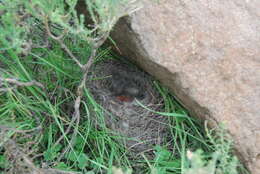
x=120 y=88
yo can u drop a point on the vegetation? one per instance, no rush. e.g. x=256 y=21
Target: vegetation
x=46 y=50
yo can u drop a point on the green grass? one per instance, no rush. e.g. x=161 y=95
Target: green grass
x=97 y=150
x=37 y=119
x=26 y=108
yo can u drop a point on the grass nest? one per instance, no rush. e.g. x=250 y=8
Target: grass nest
x=125 y=93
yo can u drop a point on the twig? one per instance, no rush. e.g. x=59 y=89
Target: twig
x=46 y=24
x=4 y=128
x=59 y=40
x=18 y=83
x=74 y=118
x=96 y=43
x=7 y=89
x=69 y=53
x=57 y=171
x=76 y=115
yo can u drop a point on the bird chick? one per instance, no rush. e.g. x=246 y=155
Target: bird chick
x=126 y=85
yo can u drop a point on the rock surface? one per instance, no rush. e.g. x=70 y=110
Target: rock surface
x=208 y=54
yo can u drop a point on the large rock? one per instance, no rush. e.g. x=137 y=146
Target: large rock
x=208 y=54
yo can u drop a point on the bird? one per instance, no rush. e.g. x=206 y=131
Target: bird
x=126 y=86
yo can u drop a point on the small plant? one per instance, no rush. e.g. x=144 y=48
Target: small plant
x=221 y=161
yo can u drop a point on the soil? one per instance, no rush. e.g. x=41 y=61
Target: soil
x=119 y=88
